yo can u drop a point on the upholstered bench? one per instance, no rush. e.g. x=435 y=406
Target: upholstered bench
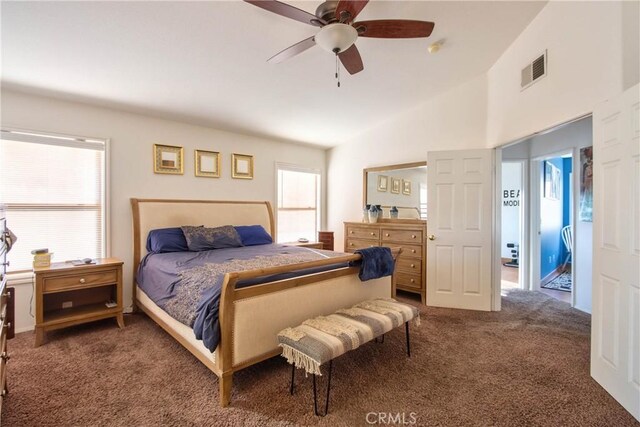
x=321 y=339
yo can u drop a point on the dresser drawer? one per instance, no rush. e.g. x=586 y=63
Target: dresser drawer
x=409 y=265
x=80 y=280
x=408 y=251
x=409 y=236
x=362 y=233
x=408 y=280
x=353 y=244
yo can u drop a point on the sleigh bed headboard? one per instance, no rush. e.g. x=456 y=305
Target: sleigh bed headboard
x=150 y=214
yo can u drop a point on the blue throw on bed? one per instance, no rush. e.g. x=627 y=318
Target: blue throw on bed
x=187 y=285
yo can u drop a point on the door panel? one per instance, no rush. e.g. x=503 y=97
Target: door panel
x=459 y=258
x=615 y=332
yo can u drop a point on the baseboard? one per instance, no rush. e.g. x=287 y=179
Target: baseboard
x=549 y=277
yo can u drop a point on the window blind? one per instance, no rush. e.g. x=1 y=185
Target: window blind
x=298 y=208
x=53 y=188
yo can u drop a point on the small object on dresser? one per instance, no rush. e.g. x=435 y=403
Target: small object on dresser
x=42 y=260
x=83 y=261
x=393 y=213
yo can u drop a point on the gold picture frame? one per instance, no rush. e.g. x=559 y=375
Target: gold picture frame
x=383 y=183
x=168 y=159
x=241 y=166
x=395 y=185
x=207 y=163
x=406 y=187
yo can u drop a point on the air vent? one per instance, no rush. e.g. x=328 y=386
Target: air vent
x=534 y=71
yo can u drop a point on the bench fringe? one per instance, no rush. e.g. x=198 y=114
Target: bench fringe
x=300 y=360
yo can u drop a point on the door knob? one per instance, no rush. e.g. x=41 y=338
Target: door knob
x=432 y=237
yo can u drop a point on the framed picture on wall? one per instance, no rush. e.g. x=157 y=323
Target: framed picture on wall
x=383 y=183
x=241 y=166
x=586 y=184
x=207 y=164
x=552 y=181
x=395 y=185
x=406 y=187
x=167 y=159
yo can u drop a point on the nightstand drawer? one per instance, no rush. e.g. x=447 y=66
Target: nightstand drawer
x=82 y=280
x=413 y=266
x=409 y=236
x=353 y=244
x=408 y=280
x=362 y=233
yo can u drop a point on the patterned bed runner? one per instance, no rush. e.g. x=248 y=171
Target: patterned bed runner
x=324 y=338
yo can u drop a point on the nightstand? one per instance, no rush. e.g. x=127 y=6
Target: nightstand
x=68 y=295
x=313 y=245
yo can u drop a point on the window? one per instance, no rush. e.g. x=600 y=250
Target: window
x=298 y=209
x=53 y=188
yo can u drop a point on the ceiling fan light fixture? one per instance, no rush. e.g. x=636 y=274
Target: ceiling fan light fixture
x=336 y=37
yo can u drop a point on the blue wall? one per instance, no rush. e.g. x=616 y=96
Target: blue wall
x=554 y=214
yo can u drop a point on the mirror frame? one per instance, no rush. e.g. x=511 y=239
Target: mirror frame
x=365 y=174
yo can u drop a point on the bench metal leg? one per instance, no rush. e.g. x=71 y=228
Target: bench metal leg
x=315 y=398
x=293 y=375
x=408 y=342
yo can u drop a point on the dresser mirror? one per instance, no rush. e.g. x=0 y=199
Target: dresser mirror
x=402 y=186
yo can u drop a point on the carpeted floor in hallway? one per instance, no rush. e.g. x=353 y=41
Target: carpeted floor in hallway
x=527 y=365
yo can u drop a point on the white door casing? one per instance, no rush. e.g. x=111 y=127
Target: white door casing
x=461 y=208
x=615 y=322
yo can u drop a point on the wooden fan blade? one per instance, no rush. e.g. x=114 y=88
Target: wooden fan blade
x=394 y=28
x=351 y=60
x=292 y=50
x=288 y=11
x=347 y=10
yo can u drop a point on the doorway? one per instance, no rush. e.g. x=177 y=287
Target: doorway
x=550 y=186
x=555 y=212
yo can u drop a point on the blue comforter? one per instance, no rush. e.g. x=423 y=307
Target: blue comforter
x=187 y=285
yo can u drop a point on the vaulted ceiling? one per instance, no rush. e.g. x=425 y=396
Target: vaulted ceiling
x=205 y=62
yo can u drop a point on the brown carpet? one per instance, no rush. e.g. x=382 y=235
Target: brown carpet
x=526 y=365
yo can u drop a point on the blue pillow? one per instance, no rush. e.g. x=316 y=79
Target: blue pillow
x=204 y=238
x=166 y=240
x=253 y=235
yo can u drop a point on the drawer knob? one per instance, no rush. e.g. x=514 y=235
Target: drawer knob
x=386 y=234
x=373 y=234
x=413 y=266
x=413 y=280
x=351 y=244
x=413 y=236
x=351 y=232
x=413 y=251
x=5 y=356
x=82 y=280
x=3 y=393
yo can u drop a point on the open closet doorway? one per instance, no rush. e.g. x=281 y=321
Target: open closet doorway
x=554 y=213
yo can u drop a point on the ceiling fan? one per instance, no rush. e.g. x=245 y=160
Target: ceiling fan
x=339 y=31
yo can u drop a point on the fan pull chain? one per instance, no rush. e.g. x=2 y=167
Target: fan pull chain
x=337 y=70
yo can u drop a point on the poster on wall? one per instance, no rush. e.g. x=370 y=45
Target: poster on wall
x=552 y=181
x=586 y=184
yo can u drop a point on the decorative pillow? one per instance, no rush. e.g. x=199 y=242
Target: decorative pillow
x=204 y=239
x=166 y=240
x=252 y=235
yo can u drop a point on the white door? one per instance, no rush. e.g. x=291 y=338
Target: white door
x=459 y=247
x=615 y=320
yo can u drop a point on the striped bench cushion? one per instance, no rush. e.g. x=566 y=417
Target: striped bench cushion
x=324 y=338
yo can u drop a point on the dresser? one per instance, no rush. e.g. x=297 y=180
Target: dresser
x=410 y=235
x=6 y=306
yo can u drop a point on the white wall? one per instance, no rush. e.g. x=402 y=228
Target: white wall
x=132 y=137
x=512 y=185
x=453 y=120
x=585 y=66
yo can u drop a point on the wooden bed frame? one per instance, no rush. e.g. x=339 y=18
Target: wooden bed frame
x=249 y=318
